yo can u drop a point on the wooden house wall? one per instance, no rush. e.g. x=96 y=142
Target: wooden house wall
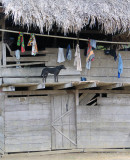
x=103 y=68
x=27 y=124
x=106 y=125
x=1 y=124
x=39 y=123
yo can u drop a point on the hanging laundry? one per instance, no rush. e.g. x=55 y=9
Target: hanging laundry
x=17 y=55
x=69 y=53
x=32 y=42
x=77 y=60
x=111 y=52
x=90 y=56
x=120 y=65
x=21 y=42
x=61 y=57
x=93 y=43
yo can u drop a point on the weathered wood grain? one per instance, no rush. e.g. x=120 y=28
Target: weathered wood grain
x=27 y=124
x=113 y=101
x=30 y=52
x=27 y=100
x=0 y=52
x=30 y=107
x=64 y=130
x=50 y=79
x=104 y=125
x=118 y=95
x=27 y=147
x=4 y=53
x=105 y=72
x=28 y=59
x=25 y=115
x=33 y=72
x=1 y=124
x=85 y=98
x=103 y=68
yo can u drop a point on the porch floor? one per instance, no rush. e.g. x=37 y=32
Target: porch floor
x=78 y=85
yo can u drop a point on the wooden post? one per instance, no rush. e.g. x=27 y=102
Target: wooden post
x=4 y=53
x=1 y=21
x=3 y=45
x=76 y=105
x=77 y=97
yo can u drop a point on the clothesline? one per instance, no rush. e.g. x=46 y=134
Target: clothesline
x=62 y=37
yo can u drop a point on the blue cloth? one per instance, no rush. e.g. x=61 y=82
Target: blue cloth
x=69 y=53
x=93 y=43
x=120 y=65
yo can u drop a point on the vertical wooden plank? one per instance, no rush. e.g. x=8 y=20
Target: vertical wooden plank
x=53 y=135
x=58 y=112
x=77 y=97
x=2 y=144
x=65 y=120
x=3 y=45
x=4 y=53
x=72 y=119
x=0 y=52
x=1 y=21
x=58 y=124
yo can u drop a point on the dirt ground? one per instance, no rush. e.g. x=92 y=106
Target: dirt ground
x=69 y=156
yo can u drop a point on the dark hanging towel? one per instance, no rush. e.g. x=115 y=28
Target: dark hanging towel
x=111 y=52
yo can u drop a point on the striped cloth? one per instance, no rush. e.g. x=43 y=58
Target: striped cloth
x=90 y=56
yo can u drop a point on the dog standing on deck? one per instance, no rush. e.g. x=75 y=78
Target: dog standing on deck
x=54 y=71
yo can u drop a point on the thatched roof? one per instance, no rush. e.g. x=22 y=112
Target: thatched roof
x=71 y=15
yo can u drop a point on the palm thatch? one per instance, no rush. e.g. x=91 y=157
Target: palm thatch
x=71 y=15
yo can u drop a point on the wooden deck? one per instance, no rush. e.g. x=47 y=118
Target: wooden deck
x=82 y=86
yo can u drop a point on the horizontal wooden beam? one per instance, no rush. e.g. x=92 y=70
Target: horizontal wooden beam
x=8 y=89
x=39 y=92
x=105 y=91
x=126 y=88
x=63 y=86
x=36 y=87
x=112 y=86
x=29 y=53
x=87 y=85
x=29 y=59
x=36 y=72
x=51 y=92
x=22 y=64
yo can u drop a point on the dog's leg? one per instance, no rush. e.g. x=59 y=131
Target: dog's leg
x=43 y=80
x=54 y=78
x=46 y=76
x=57 y=78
